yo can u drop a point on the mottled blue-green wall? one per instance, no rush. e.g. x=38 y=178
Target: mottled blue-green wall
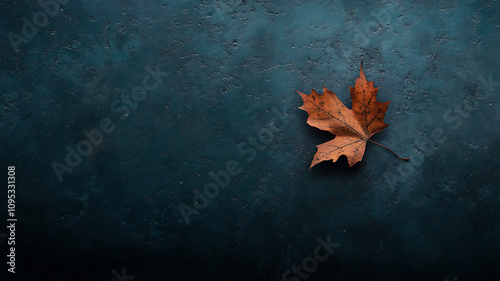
x=224 y=76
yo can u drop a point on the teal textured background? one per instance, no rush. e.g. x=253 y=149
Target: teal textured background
x=228 y=66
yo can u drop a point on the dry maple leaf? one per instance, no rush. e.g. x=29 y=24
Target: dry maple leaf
x=352 y=127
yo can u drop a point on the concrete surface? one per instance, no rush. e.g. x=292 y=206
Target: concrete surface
x=227 y=73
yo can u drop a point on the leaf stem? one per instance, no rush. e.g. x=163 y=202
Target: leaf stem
x=406 y=159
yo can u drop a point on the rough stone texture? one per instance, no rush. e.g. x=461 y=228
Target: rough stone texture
x=229 y=64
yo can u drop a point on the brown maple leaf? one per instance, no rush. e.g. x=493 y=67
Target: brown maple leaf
x=352 y=127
